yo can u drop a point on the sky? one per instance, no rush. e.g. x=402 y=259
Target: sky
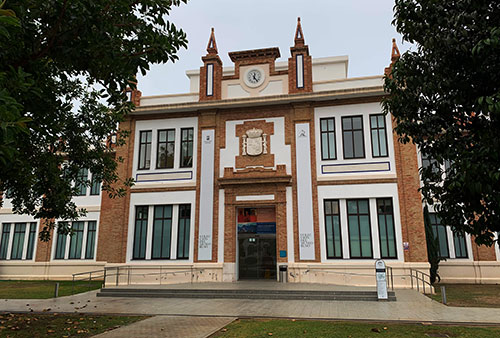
x=360 y=29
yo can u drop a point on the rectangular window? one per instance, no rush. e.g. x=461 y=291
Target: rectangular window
x=352 y=135
x=460 y=246
x=300 y=70
x=360 y=235
x=18 y=241
x=187 y=141
x=90 y=245
x=379 y=135
x=386 y=231
x=328 y=146
x=81 y=182
x=31 y=241
x=95 y=188
x=60 y=246
x=332 y=229
x=140 y=232
x=210 y=79
x=162 y=232
x=75 y=244
x=166 y=148
x=8 y=193
x=429 y=162
x=439 y=231
x=145 y=139
x=4 y=242
x=183 y=231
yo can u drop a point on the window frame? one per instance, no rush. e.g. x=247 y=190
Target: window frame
x=69 y=238
x=325 y=201
x=82 y=186
x=328 y=135
x=95 y=186
x=140 y=153
x=463 y=237
x=167 y=142
x=142 y=250
x=28 y=247
x=385 y=214
x=187 y=239
x=377 y=129
x=181 y=158
x=359 y=227
x=352 y=130
x=163 y=219
x=435 y=232
x=299 y=71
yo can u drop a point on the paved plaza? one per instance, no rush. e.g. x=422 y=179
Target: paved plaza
x=207 y=315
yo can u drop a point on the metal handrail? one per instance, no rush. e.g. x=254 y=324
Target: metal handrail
x=108 y=272
x=420 y=276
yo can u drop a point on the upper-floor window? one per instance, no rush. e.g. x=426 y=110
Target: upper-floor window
x=353 y=137
x=145 y=139
x=79 y=244
x=17 y=240
x=378 y=135
x=187 y=143
x=429 y=162
x=328 y=147
x=81 y=182
x=95 y=187
x=166 y=149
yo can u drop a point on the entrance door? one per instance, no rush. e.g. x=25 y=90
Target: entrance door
x=257 y=243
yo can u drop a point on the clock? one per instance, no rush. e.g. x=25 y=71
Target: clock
x=254 y=77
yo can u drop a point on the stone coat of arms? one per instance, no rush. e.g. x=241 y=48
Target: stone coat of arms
x=254 y=142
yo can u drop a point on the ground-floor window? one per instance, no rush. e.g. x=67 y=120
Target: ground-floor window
x=439 y=231
x=163 y=222
x=360 y=234
x=79 y=243
x=332 y=229
x=445 y=234
x=386 y=231
x=17 y=240
x=460 y=246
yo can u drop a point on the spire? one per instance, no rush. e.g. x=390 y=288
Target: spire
x=299 y=35
x=395 y=51
x=212 y=45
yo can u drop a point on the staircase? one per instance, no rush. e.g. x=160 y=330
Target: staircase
x=203 y=293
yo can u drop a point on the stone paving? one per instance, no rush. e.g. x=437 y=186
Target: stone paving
x=410 y=306
x=171 y=327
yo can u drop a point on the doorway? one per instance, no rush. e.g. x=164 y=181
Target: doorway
x=256 y=243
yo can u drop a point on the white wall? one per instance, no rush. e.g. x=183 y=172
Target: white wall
x=178 y=175
x=365 y=191
x=161 y=198
x=281 y=151
x=367 y=166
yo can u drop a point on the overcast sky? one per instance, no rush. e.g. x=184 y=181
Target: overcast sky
x=360 y=29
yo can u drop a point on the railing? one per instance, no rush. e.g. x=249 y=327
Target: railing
x=116 y=272
x=418 y=279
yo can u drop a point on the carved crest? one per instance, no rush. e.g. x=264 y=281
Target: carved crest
x=254 y=142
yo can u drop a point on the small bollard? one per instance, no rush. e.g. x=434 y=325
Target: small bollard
x=443 y=294
x=56 y=290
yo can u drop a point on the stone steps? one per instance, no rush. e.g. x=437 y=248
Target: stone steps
x=242 y=294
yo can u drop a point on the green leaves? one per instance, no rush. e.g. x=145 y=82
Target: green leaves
x=445 y=97
x=64 y=66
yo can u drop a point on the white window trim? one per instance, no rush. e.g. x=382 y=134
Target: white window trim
x=68 y=241
x=497 y=247
x=25 y=243
x=343 y=197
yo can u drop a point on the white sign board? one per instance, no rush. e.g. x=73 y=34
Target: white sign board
x=206 y=196
x=304 y=191
x=381 y=276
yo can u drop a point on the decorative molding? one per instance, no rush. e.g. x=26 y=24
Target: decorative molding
x=347 y=168
x=164 y=176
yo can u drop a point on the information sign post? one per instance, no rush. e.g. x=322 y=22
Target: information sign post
x=381 y=275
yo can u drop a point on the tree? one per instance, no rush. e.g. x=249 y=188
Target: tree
x=445 y=97
x=64 y=68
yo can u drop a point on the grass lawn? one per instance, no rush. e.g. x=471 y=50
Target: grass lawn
x=42 y=289
x=59 y=325
x=476 y=295
x=302 y=328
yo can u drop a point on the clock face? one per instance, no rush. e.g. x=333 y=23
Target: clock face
x=254 y=77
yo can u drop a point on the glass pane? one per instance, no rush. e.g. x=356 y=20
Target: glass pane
x=162 y=226
x=18 y=241
x=4 y=243
x=375 y=143
x=324 y=146
x=331 y=126
x=358 y=144
x=346 y=123
x=354 y=237
x=336 y=231
x=332 y=145
x=162 y=136
x=366 y=243
x=90 y=246
x=329 y=237
x=324 y=124
x=352 y=207
x=443 y=243
x=140 y=231
x=31 y=241
x=363 y=206
x=171 y=136
x=383 y=145
x=60 y=246
x=75 y=245
x=381 y=121
x=373 y=121
x=383 y=236
x=356 y=122
x=348 y=145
